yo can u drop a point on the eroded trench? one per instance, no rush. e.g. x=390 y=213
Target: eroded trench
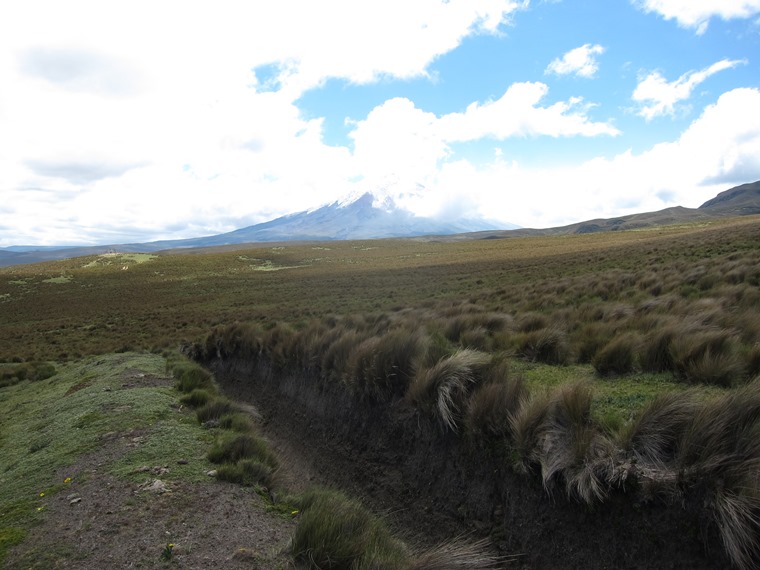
x=434 y=486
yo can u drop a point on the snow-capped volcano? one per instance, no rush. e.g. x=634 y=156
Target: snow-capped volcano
x=366 y=216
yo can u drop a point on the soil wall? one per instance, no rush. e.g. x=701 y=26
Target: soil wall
x=433 y=486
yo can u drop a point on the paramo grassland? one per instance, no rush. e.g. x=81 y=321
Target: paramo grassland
x=592 y=362
x=672 y=299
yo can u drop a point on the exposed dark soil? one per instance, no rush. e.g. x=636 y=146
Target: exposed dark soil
x=434 y=486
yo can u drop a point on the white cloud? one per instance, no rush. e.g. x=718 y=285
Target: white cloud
x=126 y=104
x=659 y=97
x=518 y=113
x=718 y=150
x=581 y=61
x=81 y=70
x=698 y=13
x=401 y=144
x=147 y=118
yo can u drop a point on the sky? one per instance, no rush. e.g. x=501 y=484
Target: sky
x=125 y=122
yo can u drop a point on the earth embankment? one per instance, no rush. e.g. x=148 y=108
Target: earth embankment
x=435 y=485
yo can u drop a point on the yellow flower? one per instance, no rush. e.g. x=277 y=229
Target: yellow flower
x=40 y=508
x=67 y=480
x=42 y=494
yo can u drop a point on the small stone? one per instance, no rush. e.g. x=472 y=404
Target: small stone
x=211 y=473
x=107 y=389
x=75 y=501
x=156 y=486
x=182 y=462
x=72 y=496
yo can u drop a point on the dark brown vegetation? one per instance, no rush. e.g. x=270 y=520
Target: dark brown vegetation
x=446 y=330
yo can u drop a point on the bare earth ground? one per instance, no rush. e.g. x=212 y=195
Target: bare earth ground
x=101 y=521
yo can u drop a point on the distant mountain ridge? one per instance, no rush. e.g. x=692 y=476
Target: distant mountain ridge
x=373 y=217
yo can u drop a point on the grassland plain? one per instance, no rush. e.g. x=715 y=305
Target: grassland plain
x=634 y=314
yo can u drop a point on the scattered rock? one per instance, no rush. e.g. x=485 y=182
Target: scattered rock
x=156 y=486
x=75 y=501
x=211 y=473
x=182 y=462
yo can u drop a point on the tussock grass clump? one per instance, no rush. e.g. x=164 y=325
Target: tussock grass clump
x=655 y=353
x=247 y=472
x=721 y=450
x=529 y=322
x=335 y=360
x=457 y=555
x=492 y=406
x=214 y=409
x=243 y=340
x=526 y=425
x=393 y=363
x=548 y=345
x=335 y=532
x=278 y=345
x=442 y=390
x=197 y=398
x=231 y=448
x=32 y=371
x=236 y=421
x=190 y=376
x=654 y=436
x=753 y=361
x=591 y=338
x=572 y=447
x=618 y=356
x=707 y=356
